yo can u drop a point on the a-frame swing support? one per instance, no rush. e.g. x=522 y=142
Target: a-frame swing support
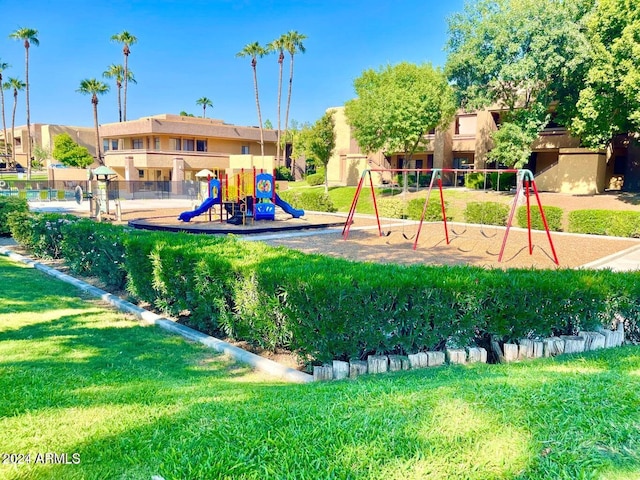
x=525 y=182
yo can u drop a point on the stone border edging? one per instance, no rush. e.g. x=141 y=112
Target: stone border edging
x=149 y=318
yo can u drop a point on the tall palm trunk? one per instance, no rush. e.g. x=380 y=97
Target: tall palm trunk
x=126 y=52
x=4 y=122
x=26 y=75
x=286 y=116
x=94 y=101
x=119 y=85
x=255 y=86
x=280 y=61
x=13 y=128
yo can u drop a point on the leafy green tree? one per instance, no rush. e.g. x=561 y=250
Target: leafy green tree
x=185 y=114
x=126 y=39
x=609 y=103
x=16 y=85
x=255 y=51
x=320 y=142
x=94 y=88
x=69 y=153
x=29 y=36
x=116 y=72
x=3 y=67
x=522 y=56
x=204 y=102
x=397 y=105
x=268 y=125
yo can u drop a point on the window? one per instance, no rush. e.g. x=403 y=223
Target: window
x=137 y=144
x=201 y=145
x=114 y=144
x=176 y=143
x=156 y=143
x=140 y=173
x=419 y=164
x=105 y=145
x=245 y=150
x=188 y=145
x=18 y=141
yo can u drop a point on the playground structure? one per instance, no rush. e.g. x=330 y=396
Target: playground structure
x=525 y=182
x=247 y=195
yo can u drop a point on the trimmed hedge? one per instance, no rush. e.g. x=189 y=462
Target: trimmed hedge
x=605 y=222
x=315 y=179
x=552 y=214
x=9 y=205
x=314 y=199
x=327 y=308
x=486 y=213
x=392 y=207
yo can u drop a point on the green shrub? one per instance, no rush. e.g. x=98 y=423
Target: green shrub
x=10 y=205
x=315 y=179
x=392 y=207
x=486 y=213
x=434 y=209
x=283 y=173
x=475 y=181
x=552 y=214
x=605 y=222
x=502 y=182
x=311 y=199
x=95 y=249
x=41 y=233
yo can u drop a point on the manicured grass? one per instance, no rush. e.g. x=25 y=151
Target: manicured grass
x=135 y=402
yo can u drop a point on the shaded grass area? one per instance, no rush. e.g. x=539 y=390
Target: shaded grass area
x=135 y=402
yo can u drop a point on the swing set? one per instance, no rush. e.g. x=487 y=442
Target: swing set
x=525 y=184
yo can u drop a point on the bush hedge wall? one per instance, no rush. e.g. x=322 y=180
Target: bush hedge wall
x=327 y=308
x=314 y=199
x=552 y=214
x=10 y=205
x=605 y=222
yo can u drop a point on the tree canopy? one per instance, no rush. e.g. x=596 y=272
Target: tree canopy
x=397 y=105
x=609 y=102
x=69 y=153
x=527 y=57
x=319 y=141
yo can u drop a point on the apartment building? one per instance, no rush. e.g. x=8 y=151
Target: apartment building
x=174 y=148
x=558 y=162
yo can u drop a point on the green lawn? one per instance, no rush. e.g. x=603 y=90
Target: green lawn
x=133 y=402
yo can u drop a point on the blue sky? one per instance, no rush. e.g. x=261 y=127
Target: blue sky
x=187 y=49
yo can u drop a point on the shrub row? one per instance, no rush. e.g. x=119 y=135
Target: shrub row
x=326 y=308
x=392 y=207
x=314 y=199
x=9 y=205
x=605 y=222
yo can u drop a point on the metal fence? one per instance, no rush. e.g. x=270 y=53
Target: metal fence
x=48 y=190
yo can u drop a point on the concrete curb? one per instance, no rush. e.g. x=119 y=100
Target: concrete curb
x=149 y=318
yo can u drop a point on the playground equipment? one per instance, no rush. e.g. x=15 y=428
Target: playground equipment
x=525 y=182
x=246 y=195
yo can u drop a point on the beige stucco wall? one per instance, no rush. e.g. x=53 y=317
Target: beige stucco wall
x=578 y=171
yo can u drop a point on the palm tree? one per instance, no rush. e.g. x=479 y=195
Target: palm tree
x=94 y=88
x=254 y=50
x=278 y=46
x=117 y=72
x=205 y=102
x=16 y=84
x=126 y=39
x=292 y=44
x=29 y=35
x=3 y=67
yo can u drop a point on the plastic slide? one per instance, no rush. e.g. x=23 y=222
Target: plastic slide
x=294 y=212
x=206 y=205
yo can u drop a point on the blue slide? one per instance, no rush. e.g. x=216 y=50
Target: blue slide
x=206 y=205
x=294 y=212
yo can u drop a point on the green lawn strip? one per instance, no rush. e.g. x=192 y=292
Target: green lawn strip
x=134 y=402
